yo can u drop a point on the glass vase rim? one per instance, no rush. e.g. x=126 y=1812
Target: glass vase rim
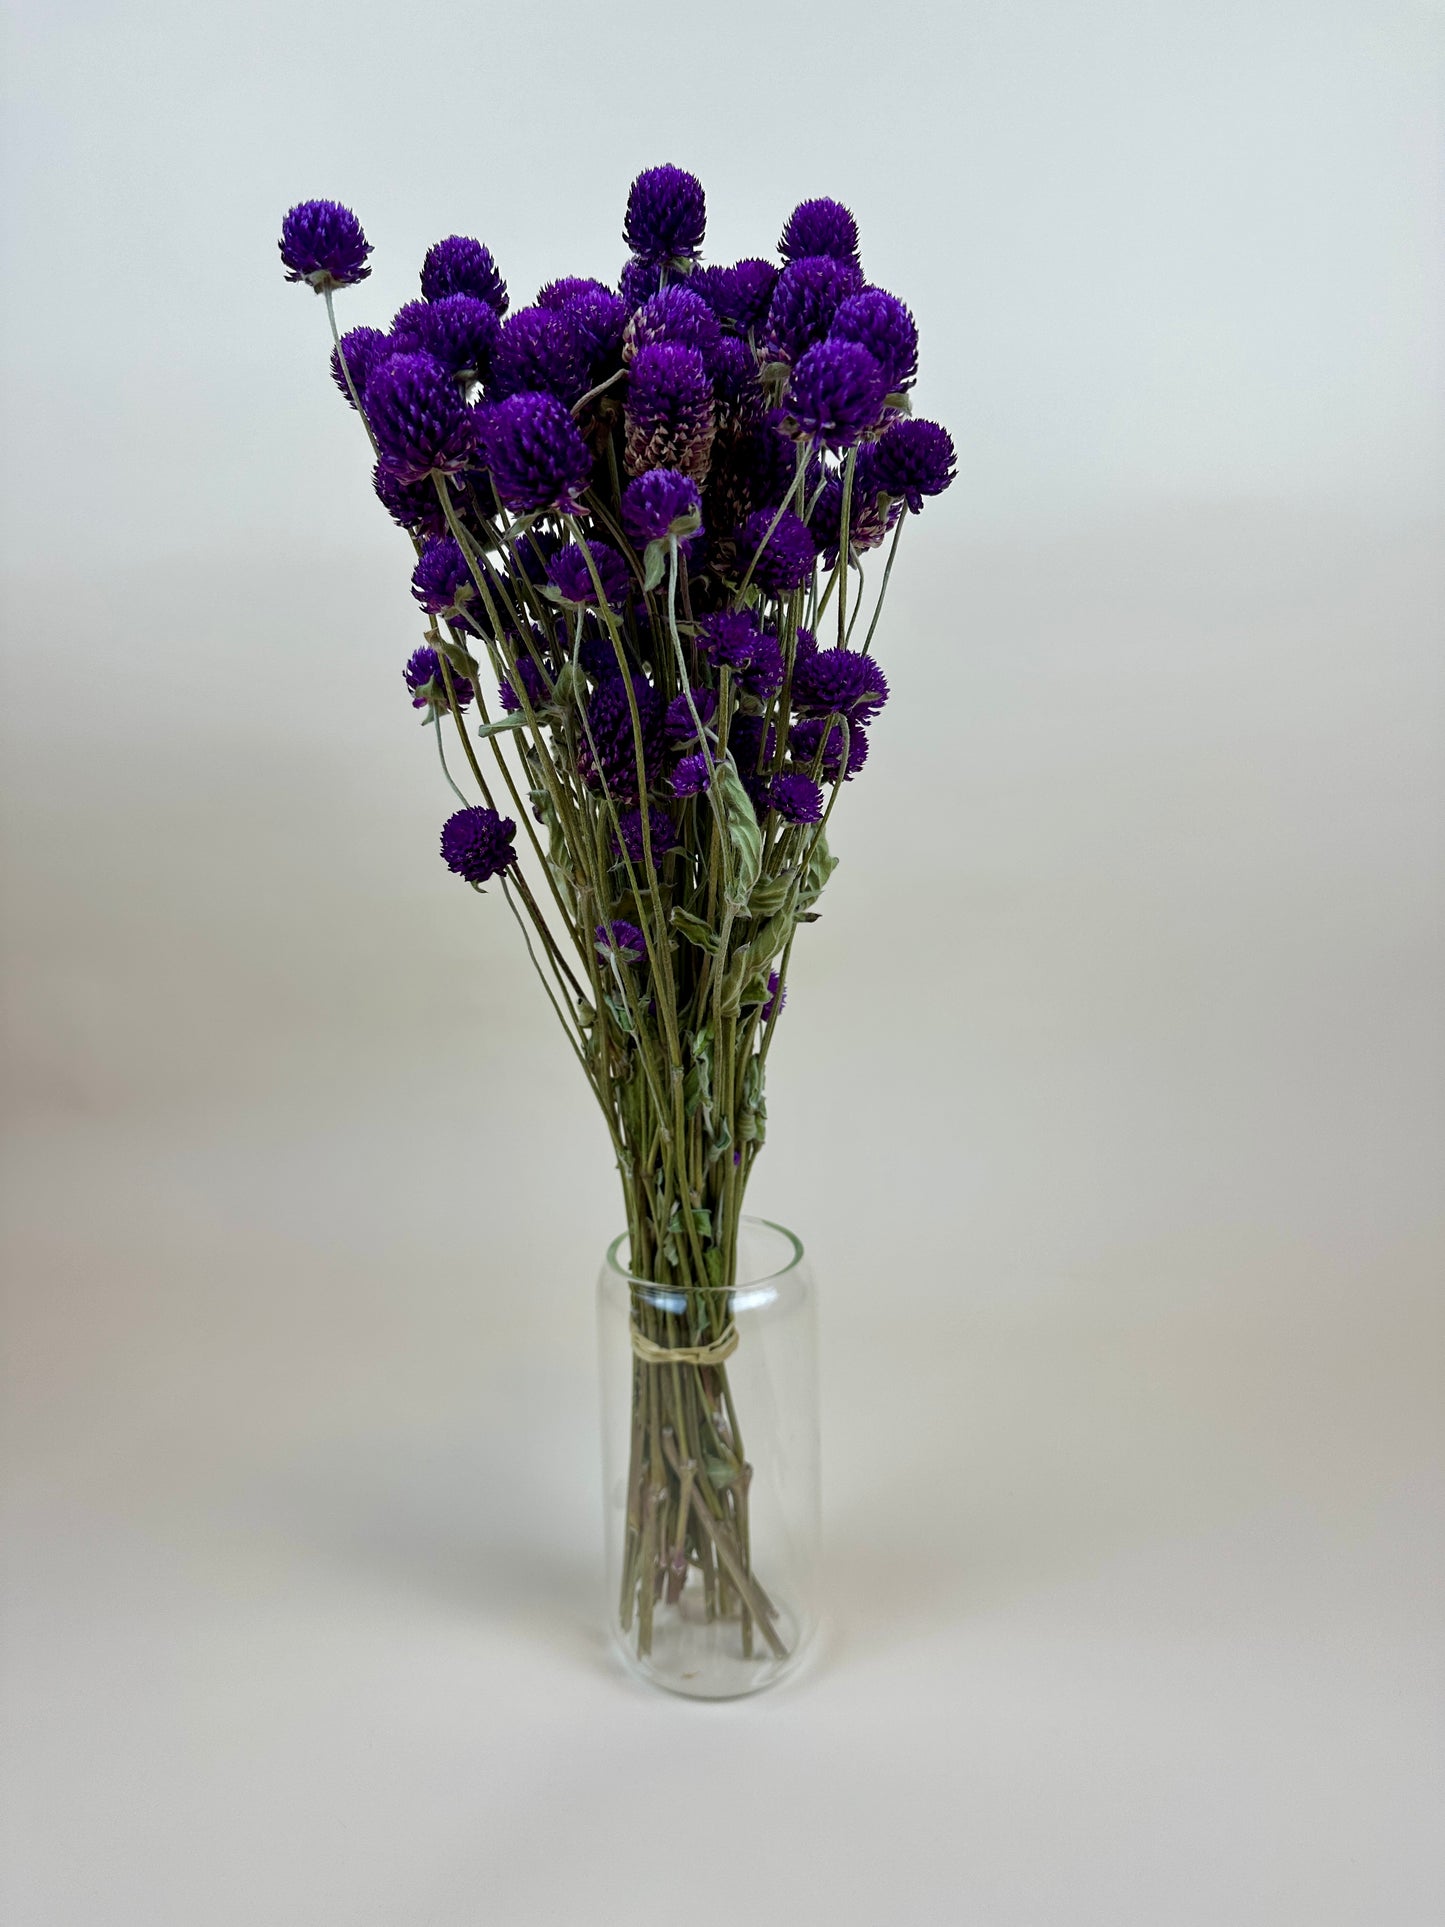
x=749 y=1284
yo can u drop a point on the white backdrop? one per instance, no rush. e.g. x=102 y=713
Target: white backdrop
x=1109 y=1100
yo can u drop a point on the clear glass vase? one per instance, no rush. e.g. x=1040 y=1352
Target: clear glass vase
x=710 y=1467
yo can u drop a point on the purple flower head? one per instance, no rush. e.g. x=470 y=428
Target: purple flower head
x=621 y=941
x=835 y=392
x=913 y=459
x=423 y=677
x=808 y=738
x=666 y=215
x=639 y=281
x=631 y=838
x=868 y=523
x=691 y=776
x=809 y=293
x=570 y=576
x=880 y=323
x=660 y=503
x=787 y=562
x=796 y=798
x=609 y=727
x=729 y=638
x=777 y=995
x=763 y=676
x=598 y=321
x=538 y=352
x=323 y=245
x=740 y=294
x=805 y=644
x=441 y=581
x=669 y=419
x=362 y=347
x=734 y=371
x=562 y=293
x=754 y=469
x=460 y=265
x=533 y=683
x=536 y=456
x=839 y=682
x=678 y=720
x=411 y=505
x=477 y=844
x=820 y=227
x=673 y=314
x=418 y=418
x=458 y=330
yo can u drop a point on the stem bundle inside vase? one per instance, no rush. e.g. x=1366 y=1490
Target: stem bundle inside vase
x=645 y=516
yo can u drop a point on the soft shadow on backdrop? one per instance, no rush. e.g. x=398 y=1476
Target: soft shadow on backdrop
x=1109 y=1098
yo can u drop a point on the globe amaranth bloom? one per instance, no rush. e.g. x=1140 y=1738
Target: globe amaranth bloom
x=639 y=280
x=538 y=351
x=729 y=637
x=413 y=506
x=752 y=468
x=787 y=561
x=460 y=265
x=631 y=836
x=572 y=579
x=567 y=289
x=815 y=733
x=477 y=844
x=809 y=294
x=607 y=747
x=691 y=776
x=418 y=417
x=738 y=295
x=879 y=322
x=323 y=245
x=533 y=682
x=669 y=419
x=839 y=682
x=678 y=720
x=666 y=215
x=796 y=798
x=820 y=227
x=423 y=677
x=441 y=580
x=868 y=521
x=362 y=347
x=660 y=503
x=733 y=369
x=835 y=392
x=673 y=314
x=763 y=676
x=458 y=330
x=537 y=458
x=912 y=459
x=620 y=941
x=777 y=996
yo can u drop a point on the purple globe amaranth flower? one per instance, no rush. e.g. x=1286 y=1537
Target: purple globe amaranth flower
x=763 y=676
x=572 y=579
x=533 y=683
x=413 y=506
x=418 y=418
x=458 y=330
x=740 y=294
x=537 y=458
x=322 y=244
x=805 y=644
x=820 y=227
x=879 y=322
x=839 y=682
x=691 y=776
x=639 y=280
x=620 y=940
x=796 y=798
x=613 y=762
x=363 y=348
x=913 y=459
x=598 y=321
x=631 y=836
x=666 y=214
x=674 y=313
x=777 y=995
x=660 y=503
x=808 y=737
x=441 y=580
x=477 y=844
x=460 y=265
x=569 y=288
x=752 y=468
x=787 y=561
x=538 y=351
x=733 y=369
x=729 y=637
x=868 y=521
x=835 y=392
x=678 y=720
x=809 y=293
x=423 y=677
x=669 y=419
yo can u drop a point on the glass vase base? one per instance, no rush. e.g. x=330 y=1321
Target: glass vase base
x=704 y=1659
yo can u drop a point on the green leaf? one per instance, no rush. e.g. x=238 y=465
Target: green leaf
x=654 y=564
x=460 y=661
x=821 y=865
x=745 y=839
x=515 y=721
x=695 y=930
x=771 y=894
